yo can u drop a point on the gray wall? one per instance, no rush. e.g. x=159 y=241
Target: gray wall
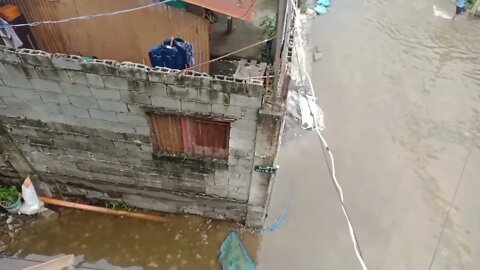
x=83 y=128
x=8 y=175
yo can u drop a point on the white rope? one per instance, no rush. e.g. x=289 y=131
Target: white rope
x=91 y=16
x=333 y=175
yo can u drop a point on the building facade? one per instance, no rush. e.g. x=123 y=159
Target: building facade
x=154 y=138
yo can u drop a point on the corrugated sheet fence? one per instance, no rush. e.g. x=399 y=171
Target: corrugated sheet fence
x=123 y=37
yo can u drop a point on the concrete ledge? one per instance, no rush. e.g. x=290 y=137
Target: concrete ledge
x=129 y=70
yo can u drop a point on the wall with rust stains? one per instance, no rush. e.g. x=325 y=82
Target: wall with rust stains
x=84 y=129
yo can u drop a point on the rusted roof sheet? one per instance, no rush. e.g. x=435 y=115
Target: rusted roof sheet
x=240 y=9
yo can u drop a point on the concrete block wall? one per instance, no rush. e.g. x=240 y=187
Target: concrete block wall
x=84 y=128
x=8 y=175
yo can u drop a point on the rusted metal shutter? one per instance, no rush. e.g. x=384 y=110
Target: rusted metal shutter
x=210 y=138
x=167 y=132
x=182 y=134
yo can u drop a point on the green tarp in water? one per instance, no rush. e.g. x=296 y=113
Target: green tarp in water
x=233 y=255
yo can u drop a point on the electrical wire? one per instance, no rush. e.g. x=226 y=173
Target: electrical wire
x=227 y=55
x=248 y=10
x=331 y=165
x=452 y=201
x=86 y=17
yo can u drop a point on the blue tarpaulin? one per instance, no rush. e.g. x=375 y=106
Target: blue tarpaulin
x=233 y=255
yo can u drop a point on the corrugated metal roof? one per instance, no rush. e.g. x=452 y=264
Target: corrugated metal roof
x=240 y=9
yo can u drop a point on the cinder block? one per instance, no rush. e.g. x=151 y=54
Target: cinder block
x=95 y=124
x=49 y=97
x=168 y=103
x=5 y=91
x=243 y=182
x=120 y=127
x=20 y=70
x=163 y=75
x=83 y=102
x=20 y=82
x=227 y=110
x=156 y=89
x=103 y=67
x=77 y=76
x=142 y=130
x=3 y=70
x=133 y=120
x=143 y=99
x=63 y=61
x=94 y=80
x=11 y=111
x=244 y=124
x=194 y=79
x=133 y=70
x=249 y=113
x=244 y=101
x=103 y=115
x=36 y=58
x=237 y=160
x=255 y=90
x=70 y=110
x=245 y=134
x=26 y=94
x=115 y=82
x=218 y=190
x=46 y=85
x=52 y=73
x=242 y=144
x=189 y=106
x=239 y=194
x=115 y=106
x=73 y=89
x=183 y=93
x=135 y=109
x=14 y=102
x=9 y=55
x=213 y=97
x=109 y=94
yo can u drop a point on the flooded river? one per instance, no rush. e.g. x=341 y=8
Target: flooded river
x=400 y=89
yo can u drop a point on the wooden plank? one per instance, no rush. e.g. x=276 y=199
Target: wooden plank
x=62 y=263
x=167 y=132
x=210 y=138
x=123 y=37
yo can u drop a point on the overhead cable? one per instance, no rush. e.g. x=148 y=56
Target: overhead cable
x=91 y=16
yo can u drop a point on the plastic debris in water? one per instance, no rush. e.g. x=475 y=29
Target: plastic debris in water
x=233 y=255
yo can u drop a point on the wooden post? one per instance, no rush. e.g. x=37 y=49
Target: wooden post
x=62 y=263
x=229 y=25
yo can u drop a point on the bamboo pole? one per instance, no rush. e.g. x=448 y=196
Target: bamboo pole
x=475 y=8
x=98 y=209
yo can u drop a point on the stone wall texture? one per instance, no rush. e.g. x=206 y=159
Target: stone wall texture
x=84 y=130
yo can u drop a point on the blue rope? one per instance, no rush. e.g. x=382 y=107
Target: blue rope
x=278 y=222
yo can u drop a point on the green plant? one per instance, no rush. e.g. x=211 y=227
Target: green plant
x=269 y=25
x=8 y=195
x=119 y=206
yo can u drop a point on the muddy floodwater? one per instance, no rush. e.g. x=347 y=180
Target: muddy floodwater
x=400 y=88
x=181 y=242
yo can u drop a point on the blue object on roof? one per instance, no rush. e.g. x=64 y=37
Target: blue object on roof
x=319 y=9
x=233 y=255
x=175 y=55
x=325 y=3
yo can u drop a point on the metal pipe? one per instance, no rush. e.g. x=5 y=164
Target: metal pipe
x=98 y=209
